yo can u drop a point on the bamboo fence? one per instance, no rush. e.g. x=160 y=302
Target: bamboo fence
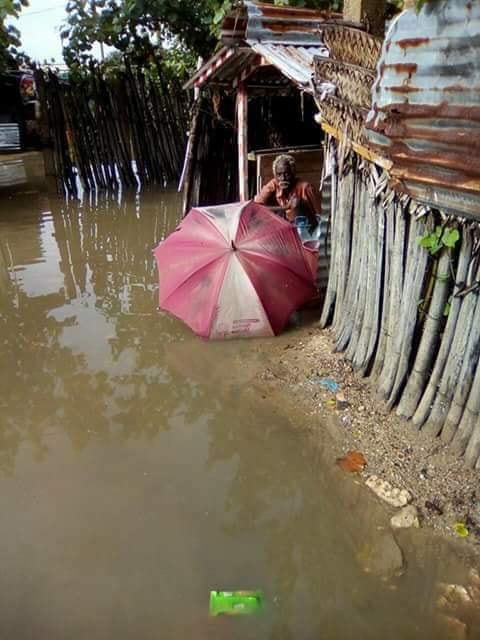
x=406 y=318
x=124 y=128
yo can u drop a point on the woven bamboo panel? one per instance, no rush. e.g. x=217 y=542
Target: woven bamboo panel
x=343 y=117
x=354 y=84
x=352 y=46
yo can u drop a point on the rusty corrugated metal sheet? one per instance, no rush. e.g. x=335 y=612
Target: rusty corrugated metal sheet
x=426 y=104
x=223 y=67
x=295 y=63
x=274 y=24
x=268 y=23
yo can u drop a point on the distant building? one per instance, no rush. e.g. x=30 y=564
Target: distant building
x=18 y=112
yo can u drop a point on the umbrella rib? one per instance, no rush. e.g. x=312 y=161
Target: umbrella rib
x=268 y=231
x=211 y=223
x=270 y=258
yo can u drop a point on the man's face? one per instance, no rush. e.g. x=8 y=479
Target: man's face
x=284 y=175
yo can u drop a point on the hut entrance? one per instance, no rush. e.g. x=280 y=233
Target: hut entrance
x=265 y=69
x=246 y=122
x=282 y=124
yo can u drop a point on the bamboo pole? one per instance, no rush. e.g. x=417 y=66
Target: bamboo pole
x=411 y=296
x=331 y=293
x=375 y=314
x=423 y=410
x=464 y=385
x=426 y=351
x=190 y=155
x=395 y=325
x=121 y=135
x=396 y=287
x=369 y=323
x=345 y=329
x=470 y=425
x=345 y=212
x=385 y=288
x=360 y=290
x=451 y=373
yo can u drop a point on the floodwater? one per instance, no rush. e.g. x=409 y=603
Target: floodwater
x=141 y=467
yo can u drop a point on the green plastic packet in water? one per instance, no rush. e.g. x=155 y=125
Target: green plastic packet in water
x=235 y=603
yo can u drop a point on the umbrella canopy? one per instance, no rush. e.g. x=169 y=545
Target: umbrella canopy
x=234 y=270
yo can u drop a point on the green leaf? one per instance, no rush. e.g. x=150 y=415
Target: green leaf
x=425 y=241
x=461 y=530
x=219 y=15
x=451 y=237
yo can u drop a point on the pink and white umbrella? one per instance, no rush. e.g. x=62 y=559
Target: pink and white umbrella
x=234 y=270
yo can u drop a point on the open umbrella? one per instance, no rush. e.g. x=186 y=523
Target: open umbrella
x=234 y=270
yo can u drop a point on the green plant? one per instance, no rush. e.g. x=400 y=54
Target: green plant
x=439 y=238
x=9 y=34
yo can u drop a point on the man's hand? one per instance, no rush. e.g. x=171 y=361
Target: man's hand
x=292 y=208
x=293 y=203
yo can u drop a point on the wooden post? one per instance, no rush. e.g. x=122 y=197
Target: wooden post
x=242 y=128
x=372 y=10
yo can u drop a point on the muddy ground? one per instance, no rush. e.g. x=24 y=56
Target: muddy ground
x=444 y=490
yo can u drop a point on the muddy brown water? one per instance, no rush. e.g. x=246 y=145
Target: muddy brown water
x=141 y=467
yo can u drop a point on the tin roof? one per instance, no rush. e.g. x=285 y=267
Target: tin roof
x=426 y=104
x=269 y=23
x=296 y=63
x=287 y=38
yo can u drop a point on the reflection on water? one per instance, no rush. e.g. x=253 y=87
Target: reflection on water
x=141 y=467
x=75 y=283
x=22 y=169
x=12 y=173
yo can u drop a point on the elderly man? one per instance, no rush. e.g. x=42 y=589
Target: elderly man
x=287 y=194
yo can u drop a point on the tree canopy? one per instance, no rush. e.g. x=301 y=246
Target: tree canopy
x=136 y=26
x=9 y=34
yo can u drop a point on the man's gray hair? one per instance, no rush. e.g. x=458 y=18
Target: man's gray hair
x=285 y=159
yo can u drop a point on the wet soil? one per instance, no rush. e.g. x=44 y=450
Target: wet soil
x=444 y=490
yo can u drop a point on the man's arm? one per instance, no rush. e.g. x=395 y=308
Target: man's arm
x=267 y=195
x=313 y=205
x=314 y=199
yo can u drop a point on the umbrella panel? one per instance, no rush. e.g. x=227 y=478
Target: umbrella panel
x=234 y=270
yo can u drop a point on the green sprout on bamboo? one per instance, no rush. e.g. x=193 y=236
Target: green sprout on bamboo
x=441 y=237
x=447 y=307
